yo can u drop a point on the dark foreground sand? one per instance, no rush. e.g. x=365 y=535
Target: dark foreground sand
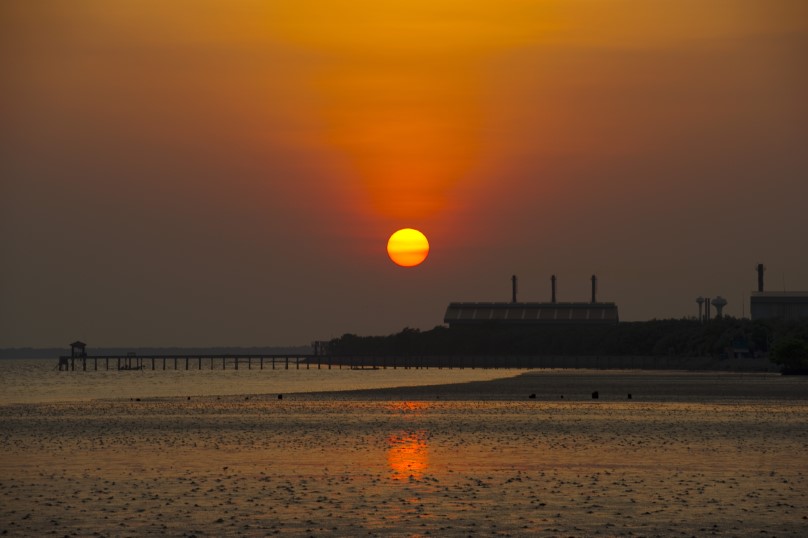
x=649 y=386
x=688 y=455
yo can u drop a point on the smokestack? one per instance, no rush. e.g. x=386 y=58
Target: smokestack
x=553 y=286
x=594 y=289
x=513 y=282
x=707 y=309
x=760 y=270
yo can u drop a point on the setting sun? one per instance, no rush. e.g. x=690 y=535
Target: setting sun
x=407 y=247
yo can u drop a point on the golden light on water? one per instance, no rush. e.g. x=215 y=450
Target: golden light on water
x=408 y=455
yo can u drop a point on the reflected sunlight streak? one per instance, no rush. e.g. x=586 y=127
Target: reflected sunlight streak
x=408 y=452
x=408 y=455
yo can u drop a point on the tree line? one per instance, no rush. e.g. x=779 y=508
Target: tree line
x=667 y=337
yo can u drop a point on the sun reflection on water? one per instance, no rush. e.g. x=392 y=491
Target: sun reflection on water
x=408 y=455
x=407 y=450
x=408 y=408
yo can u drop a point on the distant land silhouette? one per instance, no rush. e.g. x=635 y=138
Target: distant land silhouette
x=723 y=343
x=718 y=338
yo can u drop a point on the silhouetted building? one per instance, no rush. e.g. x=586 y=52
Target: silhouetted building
x=515 y=313
x=78 y=349
x=530 y=313
x=789 y=305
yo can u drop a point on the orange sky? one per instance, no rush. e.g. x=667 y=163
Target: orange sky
x=220 y=167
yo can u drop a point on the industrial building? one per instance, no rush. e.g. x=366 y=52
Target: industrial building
x=787 y=305
x=533 y=313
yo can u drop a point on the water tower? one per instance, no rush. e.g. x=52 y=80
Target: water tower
x=700 y=300
x=719 y=303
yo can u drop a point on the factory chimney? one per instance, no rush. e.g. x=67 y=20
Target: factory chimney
x=760 y=270
x=594 y=289
x=553 y=287
x=707 y=309
x=513 y=282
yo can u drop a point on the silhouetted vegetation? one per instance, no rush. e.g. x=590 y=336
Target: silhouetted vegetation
x=792 y=355
x=725 y=337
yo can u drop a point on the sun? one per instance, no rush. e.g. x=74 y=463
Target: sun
x=407 y=247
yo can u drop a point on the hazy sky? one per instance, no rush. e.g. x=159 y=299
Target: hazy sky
x=228 y=172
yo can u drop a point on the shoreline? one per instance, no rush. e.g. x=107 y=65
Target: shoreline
x=550 y=385
x=536 y=384
x=579 y=385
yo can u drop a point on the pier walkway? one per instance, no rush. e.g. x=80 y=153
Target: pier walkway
x=293 y=361
x=289 y=361
x=188 y=362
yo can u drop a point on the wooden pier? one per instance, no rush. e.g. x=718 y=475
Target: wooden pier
x=192 y=362
x=283 y=361
x=320 y=359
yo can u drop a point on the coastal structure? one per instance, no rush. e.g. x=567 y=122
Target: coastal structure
x=78 y=350
x=533 y=313
x=787 y=305
x=717 y=302
x=80 y=360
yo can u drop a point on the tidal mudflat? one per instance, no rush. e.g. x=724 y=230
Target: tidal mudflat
x=401 y=464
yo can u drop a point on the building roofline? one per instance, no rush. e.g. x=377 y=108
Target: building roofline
x=778 y=294
x=501 y=305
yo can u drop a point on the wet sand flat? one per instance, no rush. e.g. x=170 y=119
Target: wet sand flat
x=649 y=386
x=396 y=463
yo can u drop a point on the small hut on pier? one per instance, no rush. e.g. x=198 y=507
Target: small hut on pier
x=78 y=350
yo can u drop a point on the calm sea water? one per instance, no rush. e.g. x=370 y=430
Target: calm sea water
x=39 y=381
